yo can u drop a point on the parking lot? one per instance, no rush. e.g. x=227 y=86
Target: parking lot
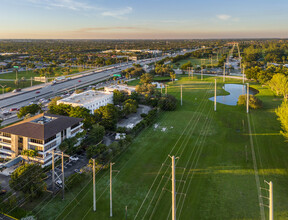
x=69 y=168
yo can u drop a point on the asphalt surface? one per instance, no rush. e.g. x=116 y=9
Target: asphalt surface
x=17 y=100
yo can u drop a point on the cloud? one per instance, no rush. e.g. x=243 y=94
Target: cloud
x=66 y=4
x=118 y=13
x=224 y=17
x=105 y=29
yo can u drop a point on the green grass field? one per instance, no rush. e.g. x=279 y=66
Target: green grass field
x=196 y=61
x=218 y=181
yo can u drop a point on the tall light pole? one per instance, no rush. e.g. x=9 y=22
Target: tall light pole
x=3 y=88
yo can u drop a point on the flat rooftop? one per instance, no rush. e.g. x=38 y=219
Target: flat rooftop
x=121 y=87
x=86 y=97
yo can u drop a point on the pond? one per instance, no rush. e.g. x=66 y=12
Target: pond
x=235 y=91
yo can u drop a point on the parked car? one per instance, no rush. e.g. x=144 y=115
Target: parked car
x=74 y=158
x=58 y=183
x=2 y=192
x=77 y=171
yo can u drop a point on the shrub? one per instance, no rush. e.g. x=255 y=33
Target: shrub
x=167 y=103
x=254 y=102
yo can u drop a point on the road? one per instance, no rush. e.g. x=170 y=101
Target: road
x=23 y=98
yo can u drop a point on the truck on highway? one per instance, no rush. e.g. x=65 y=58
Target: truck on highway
x=60 y=79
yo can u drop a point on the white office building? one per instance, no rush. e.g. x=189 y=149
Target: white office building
x=41 y=133
x=91 y=99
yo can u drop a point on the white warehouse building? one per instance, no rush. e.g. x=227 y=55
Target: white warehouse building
x=90 y=99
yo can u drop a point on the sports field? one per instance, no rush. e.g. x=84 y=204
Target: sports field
x=224 y=157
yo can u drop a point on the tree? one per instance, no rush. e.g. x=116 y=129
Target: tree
x=28 y=179
x=30 y=109
x=186 y=65
x=68 y=145
x=146 y=78
x=107 y=116
x=52 y=104
x=254 y=102
x=282 y=113
x=130 y=106
x=95 y=135
x=119 y=97
x=279 y=84
x=167 y=103
x=173 y=76
x=97 y=150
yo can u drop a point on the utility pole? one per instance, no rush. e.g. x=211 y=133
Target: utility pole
x=53 y=172
x=201 y=72
x=166 y=89
x=215 y=93
x=192 y=72
x=111 y=164
x=161 y=88
x=173 y=189
x=181 y=96
x=31 y=82
x=243 y=74
x=271 y=200
x=126 y=208
x=247 y=101
x=224 y=72
x=63 y=190
x=94 y=187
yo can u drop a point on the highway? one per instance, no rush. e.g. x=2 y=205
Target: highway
x=23 y=98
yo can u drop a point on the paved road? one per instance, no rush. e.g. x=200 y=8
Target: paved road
x=17 y=100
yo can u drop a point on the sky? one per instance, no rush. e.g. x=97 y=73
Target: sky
x=143 y=19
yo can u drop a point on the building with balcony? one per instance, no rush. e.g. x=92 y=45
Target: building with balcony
x=90 y=99
x=43 y=133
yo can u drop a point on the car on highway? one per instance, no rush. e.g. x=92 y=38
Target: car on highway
x=16 y=90
x=5 y=113
x=14 y=109
x=79 y=81
x=37 y=92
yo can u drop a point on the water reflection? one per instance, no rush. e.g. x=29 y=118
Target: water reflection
x=235 y=91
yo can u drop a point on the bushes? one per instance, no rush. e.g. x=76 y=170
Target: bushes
x=254 y=102
x=167 y=103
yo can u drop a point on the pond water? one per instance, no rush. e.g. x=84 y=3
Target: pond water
x=235 y=91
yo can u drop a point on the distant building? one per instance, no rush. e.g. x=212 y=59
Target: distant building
x=91 y=99
x=43 y=132
x=128 y=89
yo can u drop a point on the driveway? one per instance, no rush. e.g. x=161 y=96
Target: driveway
x=134 y=118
